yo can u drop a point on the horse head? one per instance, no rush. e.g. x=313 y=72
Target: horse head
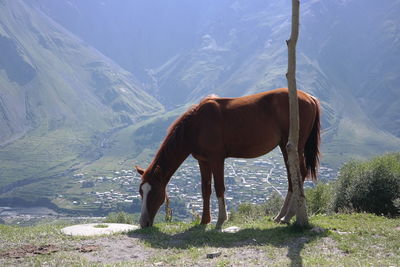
x=152 y=191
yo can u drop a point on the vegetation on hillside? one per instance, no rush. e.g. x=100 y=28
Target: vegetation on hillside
x=371 y=186
x=336 y=240
x=362 y=186
x=121 y=217
x=66 y=108
x=333 y=239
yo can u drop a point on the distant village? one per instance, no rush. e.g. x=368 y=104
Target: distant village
x=246 y=180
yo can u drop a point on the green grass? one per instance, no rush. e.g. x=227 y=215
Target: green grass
x=16 y=236
x=101 y=226
x=43 y=154
x=121 y=217
x=347 y=240
x=364 y=238
x=357 y=238
x=61 y=122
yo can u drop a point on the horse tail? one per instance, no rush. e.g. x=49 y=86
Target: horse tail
x=311 y=150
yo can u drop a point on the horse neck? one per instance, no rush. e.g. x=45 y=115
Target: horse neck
x=169 y=159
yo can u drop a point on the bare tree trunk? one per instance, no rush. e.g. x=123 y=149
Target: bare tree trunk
x=297 y=203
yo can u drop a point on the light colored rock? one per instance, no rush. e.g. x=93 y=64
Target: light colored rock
x=90 y=229
x=342 y=233
x=232 y=229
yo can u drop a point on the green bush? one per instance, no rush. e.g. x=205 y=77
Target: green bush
x=396 y=203
x=372 y=186
x=274 y=204
x=120 y=217
x=249 y=212
x=320 y=199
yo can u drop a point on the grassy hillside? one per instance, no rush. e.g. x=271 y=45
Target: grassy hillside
x=58 y=156
x=60 y=100
x=67 y=109
x=338 y=240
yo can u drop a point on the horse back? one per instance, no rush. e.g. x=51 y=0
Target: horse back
x=248 y=126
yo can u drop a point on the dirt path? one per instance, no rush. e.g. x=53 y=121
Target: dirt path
x=130 y=249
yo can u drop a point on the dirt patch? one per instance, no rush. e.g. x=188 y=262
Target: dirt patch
x=129 y=249
x=329 y=247
x=28 y=251
x=251 y=256
x=132 y=249
x=115 y=249
x=88 y=248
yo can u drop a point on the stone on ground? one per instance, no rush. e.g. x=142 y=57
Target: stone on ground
x=213 y=255
x=92 y=229
x=232 y=229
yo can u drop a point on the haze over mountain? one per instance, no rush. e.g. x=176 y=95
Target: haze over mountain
x=183 y=50
x=59 y=97
x=83 y=83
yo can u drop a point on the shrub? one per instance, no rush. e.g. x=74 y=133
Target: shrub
x=372 y=186
x=246 y=212
x=168 y=211
x=320 y=199
x=274 y=204
x=250 y=212
x=396 y=203
x=120 y=217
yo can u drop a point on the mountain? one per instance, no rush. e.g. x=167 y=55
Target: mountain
x=60 y=98
x=185 y=50
x=89 y=87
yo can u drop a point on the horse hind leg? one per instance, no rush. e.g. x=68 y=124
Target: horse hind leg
x=205 y=190
x=289 y=208
x=284 y=215
x=286 y=203
x=219 y=185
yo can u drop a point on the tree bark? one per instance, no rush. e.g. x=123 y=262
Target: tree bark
x=297 y=202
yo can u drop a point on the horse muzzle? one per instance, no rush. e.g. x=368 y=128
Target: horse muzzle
x=145 y=222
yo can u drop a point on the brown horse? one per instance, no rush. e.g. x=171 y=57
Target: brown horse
x=218 y=128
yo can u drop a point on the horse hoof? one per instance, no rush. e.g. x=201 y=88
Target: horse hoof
x=218 y=226
x=277 y=219
x=282 y=221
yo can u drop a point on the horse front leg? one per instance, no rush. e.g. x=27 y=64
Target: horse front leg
x=205 y=172
x=219 y=185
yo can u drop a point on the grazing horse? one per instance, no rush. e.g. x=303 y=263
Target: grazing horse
x=218 y=128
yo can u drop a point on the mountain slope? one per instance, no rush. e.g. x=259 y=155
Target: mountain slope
x=339 y=61
x=184 y=51
x=67 y=107
x=60 y=99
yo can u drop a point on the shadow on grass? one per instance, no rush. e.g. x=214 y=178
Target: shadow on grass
x=199 y=236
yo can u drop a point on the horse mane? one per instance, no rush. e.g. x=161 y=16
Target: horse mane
x=177 y=126
x=176 y=131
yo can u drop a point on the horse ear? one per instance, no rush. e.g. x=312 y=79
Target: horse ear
x=139 y=170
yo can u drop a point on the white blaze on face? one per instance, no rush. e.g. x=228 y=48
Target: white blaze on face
x=146 y=187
